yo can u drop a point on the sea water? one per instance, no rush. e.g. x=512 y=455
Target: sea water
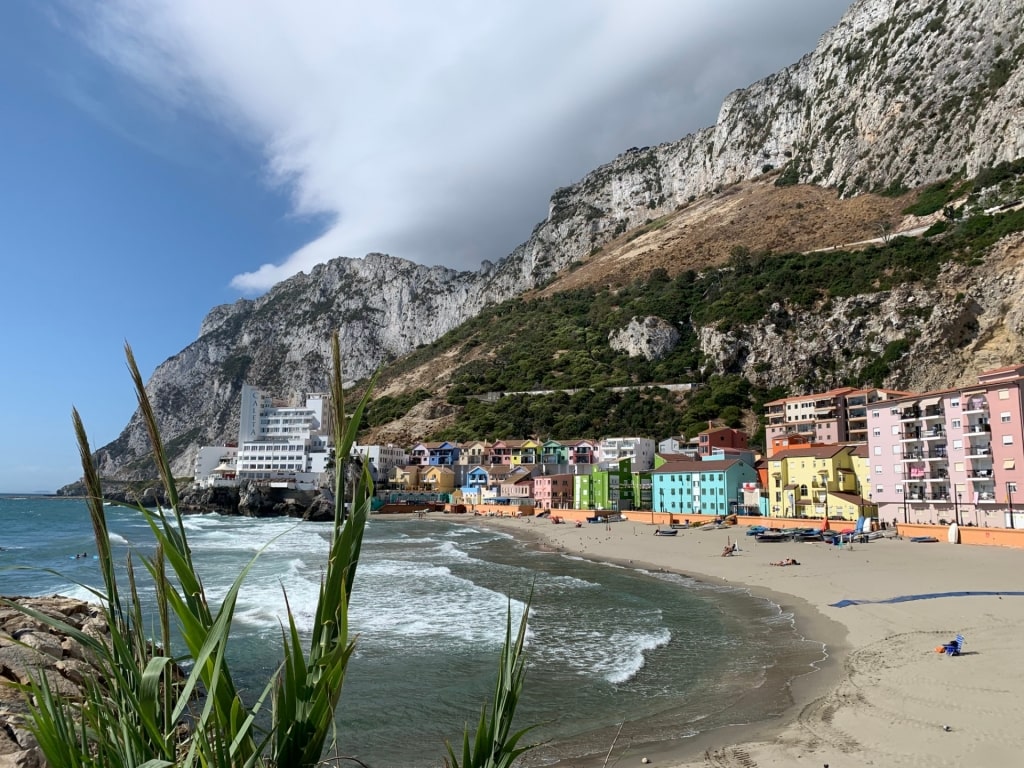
x=614 y=654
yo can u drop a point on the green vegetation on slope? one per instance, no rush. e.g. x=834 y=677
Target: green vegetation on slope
x=561 y=342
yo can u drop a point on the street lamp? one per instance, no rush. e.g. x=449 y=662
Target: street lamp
x=956 y=509
x=906 y=519
x=1009 y=500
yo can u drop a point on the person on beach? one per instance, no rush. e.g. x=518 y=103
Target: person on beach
x=787 y=561
x=730 y=549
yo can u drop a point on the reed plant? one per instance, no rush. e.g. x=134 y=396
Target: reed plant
x=146 y=707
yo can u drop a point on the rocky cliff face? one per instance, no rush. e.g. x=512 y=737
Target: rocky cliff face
x=899 y=93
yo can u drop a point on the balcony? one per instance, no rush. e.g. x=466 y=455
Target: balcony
x=910 y=414
x=935 y=433
x=977 y=429
x=976 y=405
x=933 y=413
x=938 y=454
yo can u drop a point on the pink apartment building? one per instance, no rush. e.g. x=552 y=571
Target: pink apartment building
x=955 y=455
x=553 y=491
x=824 y=418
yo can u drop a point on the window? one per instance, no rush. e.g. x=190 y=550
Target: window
x=878 y=450
x=954 y=403
x=955 y=423
x=899 y=490
x=1004 y=417
x=878 y=469
x=1011 y=487
x=1007 y=439
x=876 y=432
x=958 y=445
x=896 y=450
x=1004 y=394
x=896 y=429
x=874 y=414
x=879 y=489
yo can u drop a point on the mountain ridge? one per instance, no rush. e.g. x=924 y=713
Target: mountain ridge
x=879 y=105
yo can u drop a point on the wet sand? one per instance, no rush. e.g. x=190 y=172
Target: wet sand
x=884 y=697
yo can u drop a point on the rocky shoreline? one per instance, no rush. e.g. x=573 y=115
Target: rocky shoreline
x=250 y=500
x=28 y=647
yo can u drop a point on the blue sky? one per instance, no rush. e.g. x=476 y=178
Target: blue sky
x=162 y=158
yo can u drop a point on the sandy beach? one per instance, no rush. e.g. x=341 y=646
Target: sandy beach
x=884 y=697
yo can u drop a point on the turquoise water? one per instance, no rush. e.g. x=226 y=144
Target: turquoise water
x=665 y=655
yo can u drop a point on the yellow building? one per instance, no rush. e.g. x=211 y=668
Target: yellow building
x=407 y=478
x=475 y=453
x=438 y=479
x=820 y=481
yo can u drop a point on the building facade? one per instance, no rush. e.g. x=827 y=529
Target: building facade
x=826 y=418
x=953 y=456
x=282 y=443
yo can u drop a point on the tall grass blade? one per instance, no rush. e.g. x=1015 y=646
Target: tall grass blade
x=494 y=745
x=308 y=690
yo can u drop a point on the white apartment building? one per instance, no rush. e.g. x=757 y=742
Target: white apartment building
x=283 y=444
x=382 y=458
x=639 y=450
x=216 y=466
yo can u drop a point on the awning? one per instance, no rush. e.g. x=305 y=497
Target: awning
x=791 y=487
x=972 y=392
x=929 y=401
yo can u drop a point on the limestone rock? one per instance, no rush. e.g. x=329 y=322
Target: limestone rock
x=651 y=338
x=28 y=652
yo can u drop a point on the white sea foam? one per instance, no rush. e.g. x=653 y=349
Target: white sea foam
x=262 y=605
x=405 y=600
x=116 y=538
x=568 y=582
x=632 y=648
x=74 y=591
x=451 y=549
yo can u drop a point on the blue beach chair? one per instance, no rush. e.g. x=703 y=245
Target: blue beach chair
x=955 y=647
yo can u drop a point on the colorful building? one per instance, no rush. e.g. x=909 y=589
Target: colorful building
x=711 y=486
x=591 y=491
x=825 y=418
x=720 y=437
x=818 y=482
x=474 y=454
x=955 y=455
x=438 y=479
x=553 y=491
x=554 y=452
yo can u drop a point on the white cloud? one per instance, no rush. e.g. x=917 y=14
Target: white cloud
x=436 y=131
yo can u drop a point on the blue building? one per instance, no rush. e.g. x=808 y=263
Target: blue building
x=712 y=486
